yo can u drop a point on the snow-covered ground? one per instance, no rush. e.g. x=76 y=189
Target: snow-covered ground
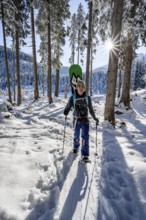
x=38 y=182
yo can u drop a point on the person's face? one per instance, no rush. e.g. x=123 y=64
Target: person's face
x=80 y=89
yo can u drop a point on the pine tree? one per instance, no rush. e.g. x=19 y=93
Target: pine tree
x=56 y=12
x=14 y=67
x=49 y=52
x=81 y=31
x=89 y=45
x=94 y=41
x=119 y=83
x=36 y=90
x=59 y=32
x=131 y=45
x=43 y=23
x=5 y=48
x=17 y=27
x=91 y=41
x=139 y=76
x=116 y=25
x=21 y=31
x=72 y=38
x=43 y=61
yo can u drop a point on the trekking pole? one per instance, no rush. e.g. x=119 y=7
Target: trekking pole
x=96 y=140
x=64 y=133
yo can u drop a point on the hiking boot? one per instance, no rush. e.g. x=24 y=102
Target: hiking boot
x=85 y=158
x=75 y=150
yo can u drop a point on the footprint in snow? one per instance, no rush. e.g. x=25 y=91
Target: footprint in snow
x=37 y=149
x=131 y=153
x=54 y=150
x=39 y=184
x=131 y=169
x=27 y=152
x=45 y=167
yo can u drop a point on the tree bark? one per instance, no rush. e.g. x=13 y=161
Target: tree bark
x=91 y=69
x=6 y=57
x=49 y=59
x=43 y=81
x=89 y=46
x=78 y=57
x=73 y=55
x=113 y=62
x=57 y=83
x=36 y=91
x=14 y=71
x=120 y=84
x=19 y=96
x=17 y=18
x=125 y=97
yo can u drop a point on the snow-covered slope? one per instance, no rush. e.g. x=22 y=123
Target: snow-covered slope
x=38 y=182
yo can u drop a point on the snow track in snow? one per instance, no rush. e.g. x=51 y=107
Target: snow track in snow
x=79 y=187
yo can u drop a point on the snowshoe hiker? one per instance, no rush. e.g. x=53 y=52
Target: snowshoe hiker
x=81 y=104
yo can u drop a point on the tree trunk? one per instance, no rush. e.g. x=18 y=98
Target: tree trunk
x=89 y=46
x=49 y=59
x=36 y=91
x=120 y=84
x=91 y=69
x=125 y=97
x=6 y=57
x=78 y=57
x=43 y=81
x=19 y=96
x=73 y=55
x=113 y=62
x=57 y=83
x=14 y=71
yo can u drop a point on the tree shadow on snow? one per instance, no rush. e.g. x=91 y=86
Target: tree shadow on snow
x=138 y=136
x=118 y=194
x=137 y=139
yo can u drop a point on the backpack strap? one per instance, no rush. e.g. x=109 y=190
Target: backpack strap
x=87 y=99
x=74 y=99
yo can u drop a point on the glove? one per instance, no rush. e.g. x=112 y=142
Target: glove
x=97 y=121
x=65 y=112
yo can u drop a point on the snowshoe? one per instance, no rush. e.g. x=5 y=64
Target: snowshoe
x=85 y=159
x=75 y=150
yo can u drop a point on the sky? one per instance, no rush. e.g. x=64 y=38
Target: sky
x=38 y=182
x=102 y=54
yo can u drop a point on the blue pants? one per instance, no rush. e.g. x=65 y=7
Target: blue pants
x=84 y=126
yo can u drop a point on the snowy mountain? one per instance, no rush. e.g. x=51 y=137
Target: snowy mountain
x=38 y=182
x=26 y=67
x=11 y=55
x=101 y=69
x=64 y=70
x=141 y=57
